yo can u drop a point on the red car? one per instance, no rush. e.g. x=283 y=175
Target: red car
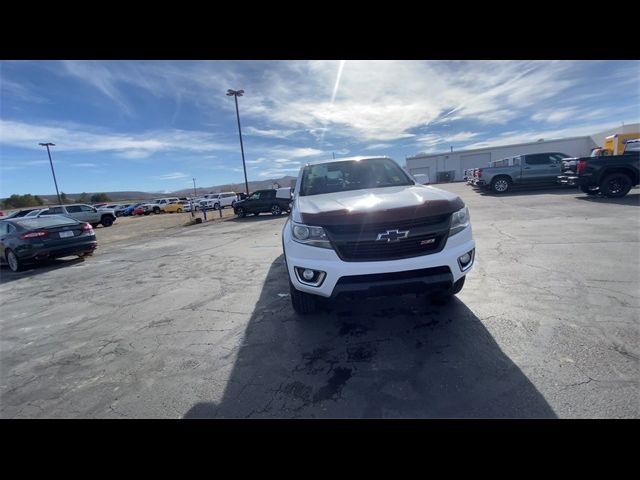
x=142 y=210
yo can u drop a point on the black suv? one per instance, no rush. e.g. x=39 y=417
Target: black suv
x=264 y=201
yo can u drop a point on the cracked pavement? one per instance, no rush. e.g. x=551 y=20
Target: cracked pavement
x=197 y=323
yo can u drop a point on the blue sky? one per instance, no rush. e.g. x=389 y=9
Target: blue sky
x=153 y=125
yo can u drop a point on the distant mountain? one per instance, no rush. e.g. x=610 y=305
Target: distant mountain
x=286 y=181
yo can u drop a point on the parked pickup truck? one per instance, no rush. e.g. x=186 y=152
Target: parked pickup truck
x=363 y=226
x=83 y=213
x=526 y=170
x=274 y=201
x=611 y=175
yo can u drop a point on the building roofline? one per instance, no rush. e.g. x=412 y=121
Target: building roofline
x=423 y=155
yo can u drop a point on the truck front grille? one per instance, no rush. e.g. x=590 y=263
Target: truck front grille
x=358 y=243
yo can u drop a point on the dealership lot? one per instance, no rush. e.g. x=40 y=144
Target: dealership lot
x=196 y=322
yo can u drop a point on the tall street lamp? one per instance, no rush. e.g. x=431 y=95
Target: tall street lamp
x=236 y=94
x=52 y=171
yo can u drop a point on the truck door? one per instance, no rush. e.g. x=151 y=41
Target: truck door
x=540 y=168
x=267 y=198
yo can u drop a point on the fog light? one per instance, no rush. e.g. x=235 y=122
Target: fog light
x=308 y=274
x=464 y=261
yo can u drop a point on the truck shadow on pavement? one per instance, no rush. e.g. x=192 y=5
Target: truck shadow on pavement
x=6 y=275
x=522 y=191
x=630 y=199
x=387 y=357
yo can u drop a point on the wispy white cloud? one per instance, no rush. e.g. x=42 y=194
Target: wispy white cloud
x=173 y=176
x=268 y=133
x=131 y=146
x=379 y=146
x=84 y=165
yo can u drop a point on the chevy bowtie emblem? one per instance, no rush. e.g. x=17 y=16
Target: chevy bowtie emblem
x=392 y=235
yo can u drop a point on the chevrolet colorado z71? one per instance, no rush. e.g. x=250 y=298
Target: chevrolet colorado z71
x=364 y=225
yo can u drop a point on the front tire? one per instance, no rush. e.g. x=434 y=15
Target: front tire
x=447 y=295
x=500 y=185
x=179 y=210
x=303 y=303
x=156 y=210
x=615 y=185
x=216 y=206
x=14 y=262
x=276 y=210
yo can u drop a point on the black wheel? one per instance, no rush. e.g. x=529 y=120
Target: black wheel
x=156 y=210
x=447 y=295
x=14 y=262
x=500 y=184
x=276 y=210
x=94 y=225
x=216 y=206
x=179 y=210
x=615 y=185
x=586 y=190
x=107 y=221
x=240 y=212
x=303 y=303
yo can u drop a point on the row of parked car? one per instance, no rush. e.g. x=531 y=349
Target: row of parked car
x=606 y=175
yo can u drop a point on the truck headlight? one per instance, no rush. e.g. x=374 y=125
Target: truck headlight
x=459 y=221
x=309 y=235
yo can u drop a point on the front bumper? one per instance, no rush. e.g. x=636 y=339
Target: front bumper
x=569 y=180
x=326 y=260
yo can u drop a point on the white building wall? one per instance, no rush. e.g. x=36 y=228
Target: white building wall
x=458 y=161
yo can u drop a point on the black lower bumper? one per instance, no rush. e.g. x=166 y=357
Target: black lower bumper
x=56 y=252
x=396 y=283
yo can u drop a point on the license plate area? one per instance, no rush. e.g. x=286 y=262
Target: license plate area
x=66 y=234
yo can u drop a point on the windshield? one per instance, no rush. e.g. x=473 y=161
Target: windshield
x=352 y=175
x=44 y=222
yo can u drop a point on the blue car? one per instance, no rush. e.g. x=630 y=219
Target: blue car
x=129 y=210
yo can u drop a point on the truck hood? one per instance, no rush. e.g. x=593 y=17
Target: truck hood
x=375 y=205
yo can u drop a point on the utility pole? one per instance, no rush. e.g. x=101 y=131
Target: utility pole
x=334 y=155
x=195 y=194
x=52 y=171
x=236 y=94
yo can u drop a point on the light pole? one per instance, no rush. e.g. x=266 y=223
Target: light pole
x=195 y=194
x=52 y=171
x=236 y=94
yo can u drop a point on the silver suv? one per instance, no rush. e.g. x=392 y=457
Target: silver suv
x=83 y=213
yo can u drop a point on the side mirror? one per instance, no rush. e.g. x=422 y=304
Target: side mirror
x=95 y=210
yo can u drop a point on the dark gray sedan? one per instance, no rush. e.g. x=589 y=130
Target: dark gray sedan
x=30 y=239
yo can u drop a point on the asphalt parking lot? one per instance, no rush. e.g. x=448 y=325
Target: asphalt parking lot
x=196 y=322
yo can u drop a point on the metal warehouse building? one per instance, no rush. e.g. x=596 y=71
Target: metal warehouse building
x=449 y=166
